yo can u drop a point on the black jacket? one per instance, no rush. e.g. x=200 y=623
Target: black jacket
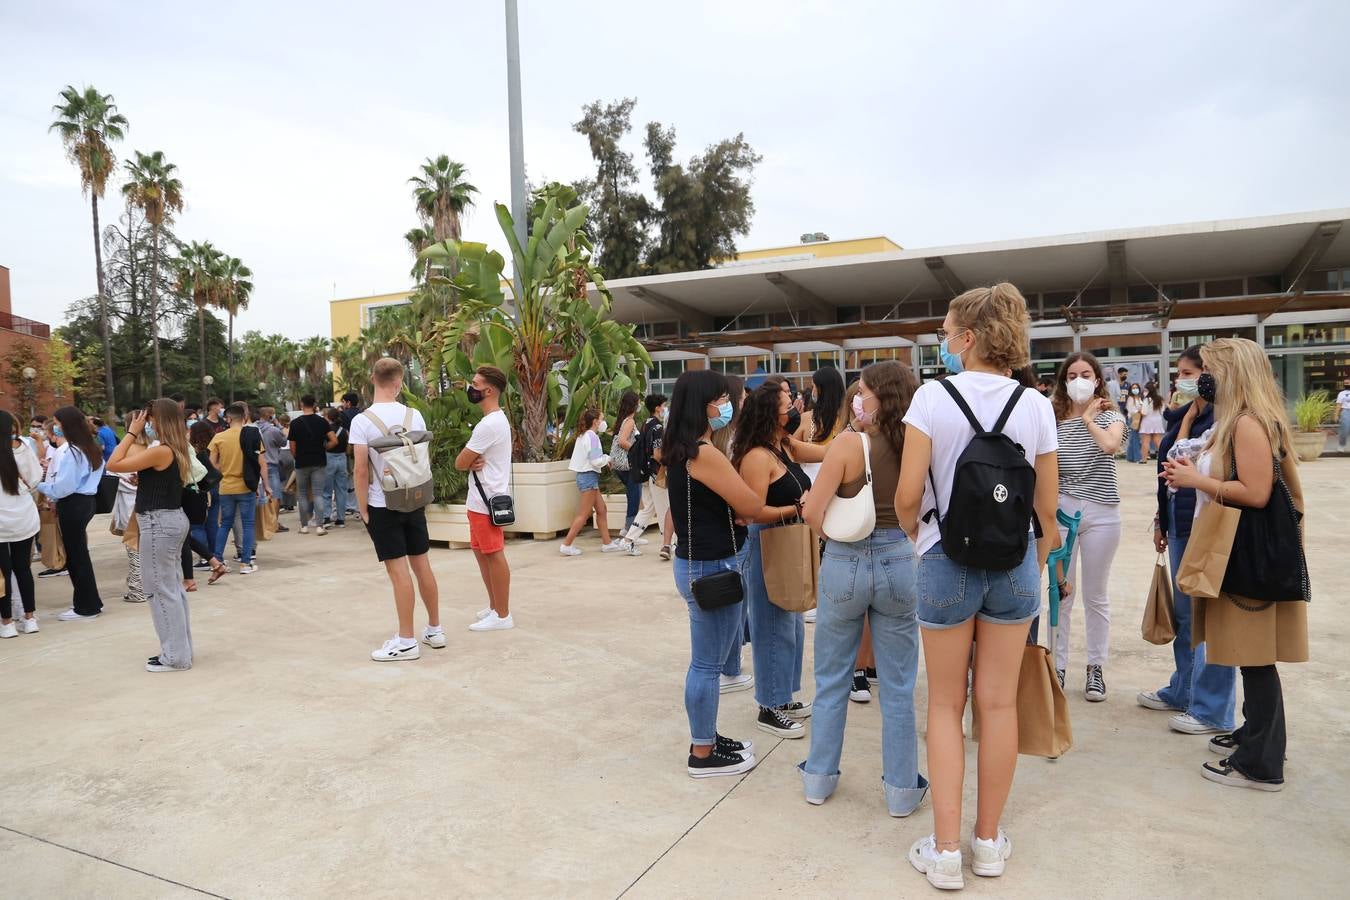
x=1183 y=504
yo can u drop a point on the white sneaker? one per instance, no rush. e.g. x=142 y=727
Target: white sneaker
x=71 y=615
x=1152 y=700
x=319 y=529
x=304 y=529
x=568 y=550
x=809 y=617
x=28 y=626
x=730 y=684
x=248 y=568
x=1189 y=724
x=990 y=856
x=8 y=631
x=393 y=650
x=483 y=613
x=632 y=550
x=943 y=869
x=613 y=547
x=434 y=639
x=641 y=542
x=493 y=622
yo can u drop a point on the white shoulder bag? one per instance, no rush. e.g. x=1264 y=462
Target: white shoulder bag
x=850 y=519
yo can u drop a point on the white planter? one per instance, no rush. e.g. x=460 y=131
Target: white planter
x=1309 y=444
x=546 y=498
x=617 y=507
x=449 y=523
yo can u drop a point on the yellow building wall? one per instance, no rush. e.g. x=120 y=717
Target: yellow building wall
x=822 y=249
x=347 y=317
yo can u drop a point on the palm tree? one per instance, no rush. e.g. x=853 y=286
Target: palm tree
x=88 y=124
x=197 y=277
x=154 y=189
x=442 y=195
x=233 y=291
x=419 y=239
x=313 y=355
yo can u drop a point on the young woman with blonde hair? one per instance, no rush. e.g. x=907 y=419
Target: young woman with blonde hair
x=1248 y=462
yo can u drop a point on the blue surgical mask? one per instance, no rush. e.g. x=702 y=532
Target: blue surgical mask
x=1188 y=387
x=723 y=418
x=950 y=359
x=57 y=432
x=150 y=433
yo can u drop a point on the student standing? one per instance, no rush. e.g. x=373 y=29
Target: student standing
x=985 y=335
x=868 y=580
x=1343 y=415
x=162 y=472
x=1246 y=459
x=74 y=489
x=351 y=408
x=655 y=505
x=826 y=417
x=1134 y=417
x=487 y=459
x=1090 y=430
x=334 y=502
x=311 y=437
x=107 y=438
x=623 y=442
x=238 y=453
x=1151 y=425
x=400 y=538
x=20 y=473
x=588 y=461
x=215 y=415
x=706 y=496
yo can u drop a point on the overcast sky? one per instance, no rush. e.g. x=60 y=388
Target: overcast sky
x=295 y=125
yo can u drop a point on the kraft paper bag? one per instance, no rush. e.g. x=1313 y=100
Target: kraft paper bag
x=790 y=556
x=265 y=520
x=49 y=533
x=1043 y=727
x=1159 y=625
x=1206 y=559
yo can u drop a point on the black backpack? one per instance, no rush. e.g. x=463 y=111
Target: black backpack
x=993 y=496
x=640 y=459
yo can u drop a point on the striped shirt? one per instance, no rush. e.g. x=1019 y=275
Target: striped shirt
x=1085 y=472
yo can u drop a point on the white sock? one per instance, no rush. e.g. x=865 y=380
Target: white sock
x=435 y=629
x=406 y=642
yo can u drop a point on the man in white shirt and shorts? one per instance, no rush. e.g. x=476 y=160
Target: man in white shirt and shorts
x=487 y=459
x=400 y=538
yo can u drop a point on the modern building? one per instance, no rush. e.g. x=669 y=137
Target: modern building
x=17 y=394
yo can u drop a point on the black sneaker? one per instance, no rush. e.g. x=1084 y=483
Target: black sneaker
x=201 y=564
x=776 y=722
x=871 y=676
x=797 y=709
x=1095 y=687
x=340 y=523
x=281 y=529
x=861 y=692
x=52 y=573
x=719 y=762
x=727 y=745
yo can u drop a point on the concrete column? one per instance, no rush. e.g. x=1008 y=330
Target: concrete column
x=1165 y=370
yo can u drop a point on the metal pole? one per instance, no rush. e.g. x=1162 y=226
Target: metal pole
x=518 y=211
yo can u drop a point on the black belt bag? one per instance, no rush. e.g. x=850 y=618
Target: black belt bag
x=501 y=508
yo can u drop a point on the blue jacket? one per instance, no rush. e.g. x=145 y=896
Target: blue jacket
x=1183 y=504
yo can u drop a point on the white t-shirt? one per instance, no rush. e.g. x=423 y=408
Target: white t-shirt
x=18 y=513
x=491 y=439
x=1343 y=399
x=364 y=431
x=935 y=413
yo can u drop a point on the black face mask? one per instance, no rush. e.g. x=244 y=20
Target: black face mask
x=794 y=421
x=475 y=395
x=1206 y=387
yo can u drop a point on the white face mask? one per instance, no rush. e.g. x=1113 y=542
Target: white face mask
x=604 y=426
x=1080 y=390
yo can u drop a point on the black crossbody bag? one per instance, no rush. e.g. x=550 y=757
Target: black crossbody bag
x=501 y=508
x=719 y=589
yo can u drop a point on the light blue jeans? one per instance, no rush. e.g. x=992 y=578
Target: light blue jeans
x=335 y=487
x=1345 y=428
x=1134 y=451
x=874 y=578
x=309 y=484
x=777 y=637
x=247 y=505
x=1209 y=693
x=712 y=634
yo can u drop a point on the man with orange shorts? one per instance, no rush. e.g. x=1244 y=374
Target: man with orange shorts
x=487 y=459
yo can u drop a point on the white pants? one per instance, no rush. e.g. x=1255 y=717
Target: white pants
x=1089 y=572
x=655 y=504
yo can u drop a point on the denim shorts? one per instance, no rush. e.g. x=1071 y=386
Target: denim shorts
x=950 y=594
x=588 y=481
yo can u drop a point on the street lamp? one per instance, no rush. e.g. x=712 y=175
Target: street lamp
x=29 y=373
x=207 y=381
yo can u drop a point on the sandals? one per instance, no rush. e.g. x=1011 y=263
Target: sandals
x=190 y=586
x=1223 y=772
x=218 y=571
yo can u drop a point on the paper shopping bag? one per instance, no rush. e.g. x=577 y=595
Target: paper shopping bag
x=1206 y=559
x=49 y=534
x=790 y=556
x=1043 y=727
x=265 y=520
x=1159 y=625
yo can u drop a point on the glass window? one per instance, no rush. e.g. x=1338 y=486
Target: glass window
x=1185 y=290
x=1095 y=297
x=1300 y=373
x=1226 y=287
x=1307 y=335
x=1142 y=293
x=1263 y=284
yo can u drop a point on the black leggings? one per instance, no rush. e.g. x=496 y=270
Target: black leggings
x=191 y=546
x=16 y=559
x=74 y=513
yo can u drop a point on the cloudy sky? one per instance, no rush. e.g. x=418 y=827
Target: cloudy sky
x=295 y=125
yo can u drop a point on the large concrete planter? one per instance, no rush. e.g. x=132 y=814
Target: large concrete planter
x=617 y=507
x=1309 y=444
x=449 y=523
x=546 y=498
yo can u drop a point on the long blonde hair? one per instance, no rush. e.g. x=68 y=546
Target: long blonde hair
x=1245 y=387
x=172 y=433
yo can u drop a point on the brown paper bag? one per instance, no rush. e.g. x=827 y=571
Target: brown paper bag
x=1206 y=558
x=265 y=520
x=791 y=559
x=1043 y=727
x=49 y=533
x=131 y=535
x=1159 y=625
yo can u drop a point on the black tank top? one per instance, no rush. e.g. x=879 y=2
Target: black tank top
x=788 y=488
x=159 y=490
x=712 y=518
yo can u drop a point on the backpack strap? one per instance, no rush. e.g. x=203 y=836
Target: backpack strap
x=963 y=406
x=407 y=420
x=1007 y=410
x=379 y=423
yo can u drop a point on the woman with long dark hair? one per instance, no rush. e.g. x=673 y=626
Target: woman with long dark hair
x=623 y=442
x=767 y=458
x=1151 y=426
x=200 y=539
x=706 y=497
x=74 y=490
x=826 y=417
x=19 y=476
x=163 y=471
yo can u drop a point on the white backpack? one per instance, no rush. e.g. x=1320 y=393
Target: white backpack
x=406 y=458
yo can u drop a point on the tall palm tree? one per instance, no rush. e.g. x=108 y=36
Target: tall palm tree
x=88 y=124
x=153 y=188
x=197 y=277
x=442 y=195
x=234 y=288
x=419 y=239
x=313 y=355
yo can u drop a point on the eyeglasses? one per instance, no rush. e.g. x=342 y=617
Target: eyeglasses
x=941 y=334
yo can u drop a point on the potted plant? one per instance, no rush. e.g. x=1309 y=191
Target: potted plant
x=1310 y=411
x=450 y=418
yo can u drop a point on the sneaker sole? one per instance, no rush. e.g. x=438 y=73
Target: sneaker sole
x=736 y=688
x=941 y=882
x=798 y=714
x=746 y=764
x=1239 y=781
x=433 y=646
x=395 y=658
x=857 y=699
x=994 y=869
x=1199 y=729
x=1094 y=698
x=1221 y=751
x=1159 y=705
x=790 y=735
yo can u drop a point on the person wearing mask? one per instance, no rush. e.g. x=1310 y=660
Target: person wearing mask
x=49 y=450
x=588 y=460
x=351 y=408
x=73 y=490
x=20 y=473
x=487 y=459
x=868 y=580
x=1134 y=417
x=985 y=335
x=286 y=464
x=334 y=502
x=733 y=678
x=238 y=454
x=311 y=437
x=623 y=442
x=1246 y=458
x=825 y=419
x=107 y=438
x=202 y=536
x=707 y=495
x=1151 y=426
x=766 y=457
x=655 y=505
x=163 y=470
x=275 y=445
x=1090 y=430
x=215 y=415
x=1120 y=390
x=1200 y=695
x=1343 y=415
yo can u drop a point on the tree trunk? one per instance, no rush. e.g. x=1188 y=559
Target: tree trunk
x=154 y=307
x=111 y=410
x=231 y=356
x=135 y=320
x=201 y=349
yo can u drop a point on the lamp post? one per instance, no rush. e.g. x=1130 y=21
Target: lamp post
x=517 y=136
x=29 y=373
x=207 y=381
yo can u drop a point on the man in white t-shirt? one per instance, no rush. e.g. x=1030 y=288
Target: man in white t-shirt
x=1343 y=404
x=400 y=538
x=487 y=459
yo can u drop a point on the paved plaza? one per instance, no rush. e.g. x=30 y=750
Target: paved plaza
x=549 y=760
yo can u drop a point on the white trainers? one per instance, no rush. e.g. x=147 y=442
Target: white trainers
x=319 y=529
x=434 y=639
x=943 y=869
x=641 y=542
x=483 y=613
x=1189 y=724
x=71 y=615
x=248 y=568
x=630 y=549
x=394 y=650
x=990 y=856
x=613 y=547
x=493 y=622
x=730 y=684
x=568 y=550
x=1153 y=700
x=304 y=529
x=28 y=626
x=8 y=631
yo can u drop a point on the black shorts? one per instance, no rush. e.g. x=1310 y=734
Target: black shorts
x=397 y=534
